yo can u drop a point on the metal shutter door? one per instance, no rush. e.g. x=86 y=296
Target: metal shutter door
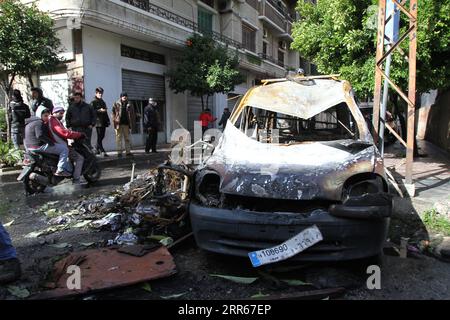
x=195 y=109
x=141 y=86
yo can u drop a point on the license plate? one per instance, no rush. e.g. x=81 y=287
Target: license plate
x=305 y=239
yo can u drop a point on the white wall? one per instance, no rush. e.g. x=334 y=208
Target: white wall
x=103 y=66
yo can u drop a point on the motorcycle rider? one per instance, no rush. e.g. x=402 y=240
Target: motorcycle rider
x=39 y=100
x=37 y=138
x=61 y=134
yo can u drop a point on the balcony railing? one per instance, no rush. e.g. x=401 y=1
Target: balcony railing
x=253 y=4
x=266 y=57
x=281 y=9
x=147 y=6
x=273 y=15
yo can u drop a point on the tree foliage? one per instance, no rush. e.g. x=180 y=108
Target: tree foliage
x=205 y=68
x=339 y=36
x=28 y=42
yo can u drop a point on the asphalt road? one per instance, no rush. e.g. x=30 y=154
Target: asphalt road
x=422 y=277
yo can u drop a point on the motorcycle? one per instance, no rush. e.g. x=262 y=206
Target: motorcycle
x=39 y=169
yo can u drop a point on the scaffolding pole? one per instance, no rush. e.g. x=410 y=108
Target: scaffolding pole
x=380 y=75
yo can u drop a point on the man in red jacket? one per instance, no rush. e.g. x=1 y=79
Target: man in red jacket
x=61 y=134
x=206 y=118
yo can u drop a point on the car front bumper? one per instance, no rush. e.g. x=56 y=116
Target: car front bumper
x=237 y=232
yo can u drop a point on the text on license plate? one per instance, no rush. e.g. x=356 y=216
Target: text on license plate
x=305 y=239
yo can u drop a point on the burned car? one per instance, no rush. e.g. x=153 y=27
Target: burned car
x=295 y=153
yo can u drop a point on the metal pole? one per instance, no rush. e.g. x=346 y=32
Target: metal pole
x=378 y=75
x=411 y=94
x=384 y=104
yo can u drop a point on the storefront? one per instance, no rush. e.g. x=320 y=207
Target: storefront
x=140 y=87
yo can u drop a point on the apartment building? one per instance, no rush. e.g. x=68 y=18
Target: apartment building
x=128 y=45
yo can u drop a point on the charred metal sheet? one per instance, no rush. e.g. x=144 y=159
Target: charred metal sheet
x=107 y=269
x=296 y=99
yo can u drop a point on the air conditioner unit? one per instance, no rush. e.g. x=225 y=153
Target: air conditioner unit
x=265 y=33
x=224 y=6
x=282 y=45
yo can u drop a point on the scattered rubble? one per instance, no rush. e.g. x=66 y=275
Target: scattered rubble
x=151 y=208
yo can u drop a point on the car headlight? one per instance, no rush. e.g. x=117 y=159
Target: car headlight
x=208 y=189
x=364 y=187
x=361 y=185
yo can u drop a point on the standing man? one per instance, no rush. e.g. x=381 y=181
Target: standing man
x=206 y=118
x=39 y=100
x=81 y=116
x=225 y=116
x=103 y=122
x=18 y=111
x=124 y=120
x=61 y=134
x=152 y=125
x=9 y=264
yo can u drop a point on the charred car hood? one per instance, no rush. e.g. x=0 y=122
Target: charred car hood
x=304 y=171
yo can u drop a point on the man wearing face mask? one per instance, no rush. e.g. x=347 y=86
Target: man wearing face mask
x=152 y=125
x=103 y=122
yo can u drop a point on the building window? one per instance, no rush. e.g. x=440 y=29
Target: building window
x=205 y=21
x=208 y=2
x=143 y=55
x=281 y=58
x=264 y=48
x=248 y=38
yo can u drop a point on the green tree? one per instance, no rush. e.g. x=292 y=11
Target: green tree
x=339 y=36
x=205 y=68
x=28 y=43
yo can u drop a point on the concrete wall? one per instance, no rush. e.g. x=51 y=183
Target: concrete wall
x=437 y=119
x=103 y=65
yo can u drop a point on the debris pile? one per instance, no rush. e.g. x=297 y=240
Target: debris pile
x=151 y=208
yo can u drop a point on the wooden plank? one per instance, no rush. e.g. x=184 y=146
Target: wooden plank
x=307 y=295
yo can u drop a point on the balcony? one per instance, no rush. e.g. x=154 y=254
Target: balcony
x=149 y=7
x=253 y=4
x=281 y=9
x=274 y=16
x=271 y=59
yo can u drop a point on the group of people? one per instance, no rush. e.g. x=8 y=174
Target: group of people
x=206 y=118
x=81 y=118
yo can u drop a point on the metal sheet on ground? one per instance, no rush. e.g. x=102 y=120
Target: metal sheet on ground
x=102 y=269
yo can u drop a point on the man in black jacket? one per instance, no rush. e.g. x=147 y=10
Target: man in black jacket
x=81 y=117
x=225 y=116
x=151 y=125
x=18 y=112
x=103 y=121
x=39 y=100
